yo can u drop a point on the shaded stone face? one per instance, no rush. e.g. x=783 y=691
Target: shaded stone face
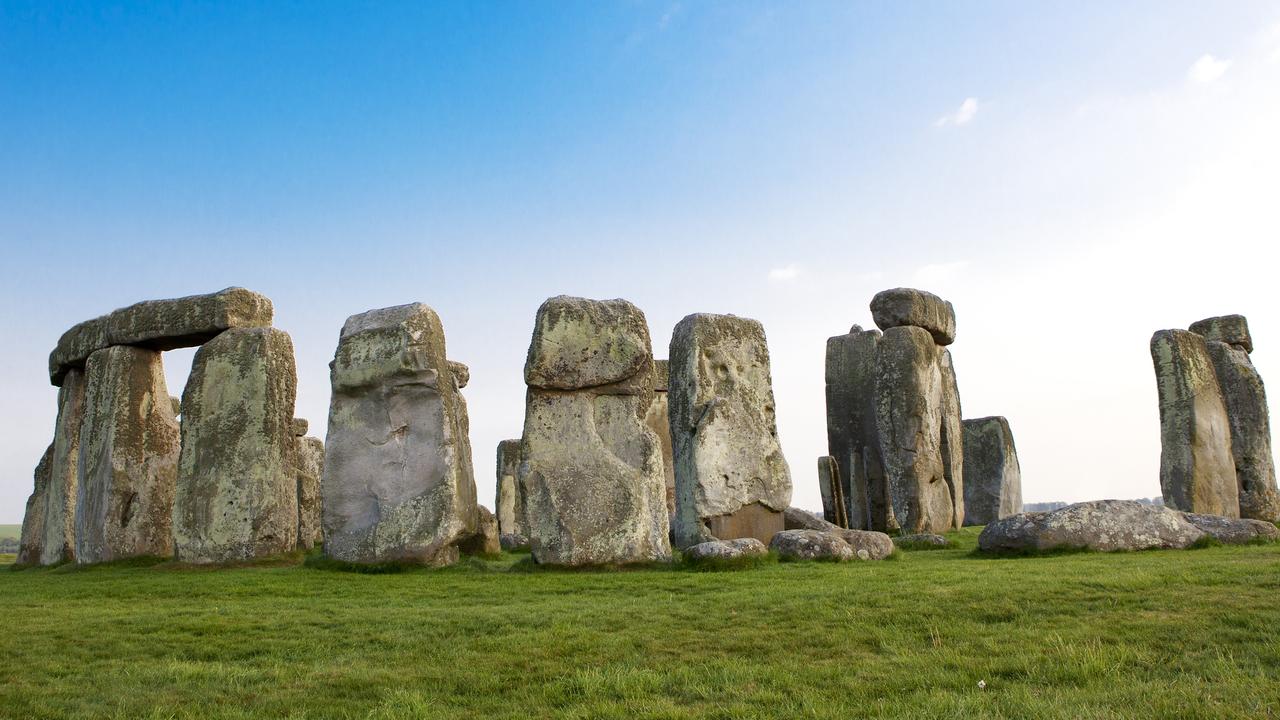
x=852 y=434
x=160 y=325
x=909 y=389
x=398 y=482
x=238 y=476
x=723 y=428
x=656 y=419
x=1245 y=398
x=485 y=540
x=59 y=544
x=580 y=343
x=1229 y=329
x=1105 y=525
x=31 y=540
x=834 y=509
x=508 y=498
x=1197 y=472
x=310 y=458
x=906 y=307
x=952 y=437
x=749 y=521
x=993 y=478
x=127 y=467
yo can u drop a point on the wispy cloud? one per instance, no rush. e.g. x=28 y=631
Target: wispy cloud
x=786 y=273
x=1207 y=69
x=962 y=116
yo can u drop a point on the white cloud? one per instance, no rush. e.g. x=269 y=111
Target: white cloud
x=784 y=274
x=938 y=274
x=1207 y=69
x=961 y=116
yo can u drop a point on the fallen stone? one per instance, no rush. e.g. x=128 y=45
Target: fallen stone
x=993 y=478
x=921 y=539
x=398 y=483
x=508 y=498
x=1245 y=398
x=810 y=545
x=724 y=432
x=905 y=307
x=1229 y=329
x=310 y=471
x=952 y=438
x=1105 y=525
x=868 y=544
x=59 y=544
x=1197 y=472
x=852 y=435
x=31 y=539
x=238 y=475
x=485 y=541
x=1230 y=531
x=580 y=343
x=726 y=549
x=797 y=519
x=128 y=461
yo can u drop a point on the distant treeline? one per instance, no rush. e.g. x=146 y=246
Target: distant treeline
x=8 y=546
x=1045 y=506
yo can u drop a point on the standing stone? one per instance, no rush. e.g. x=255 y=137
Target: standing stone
x=486 y=540
x=129 y=441
x=732 y=480
x=657 y=421
x=508 y=498
x=1197 y=473
x=591 y=471
x=238 y=487
x=310 y=457
x=992 y=476
x=905 y=307
x=31 y=540
x=952 y=437
x=852 y=435
x=1250 y=421
x=1229 y=329
x=398 y=483
x=909 y=417
x=831 y=486
x=59 y=544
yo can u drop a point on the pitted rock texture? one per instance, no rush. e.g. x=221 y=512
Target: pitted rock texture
x=952 y=439
x=160 y=325
x=727 y=549
x=1197 y=471
x=300 y=427
x=906 y=307
x=723 y=427
x=128 y=464
x=657 y=420
x=508 y=498
x=810 y=545
x=31 y=539
x=1250 y=422
x=485 y=540
x=1105 y=525
x=461 y=373
x=921 y=539
x=661 y=376
x=398 y=482
x=1229 y=531
x=993 y=478
x=580 y=343
x=1229 y=329
x=59 y=543
x=310 y=460
x=909 y=418
x=238 y=476
x=852 y=434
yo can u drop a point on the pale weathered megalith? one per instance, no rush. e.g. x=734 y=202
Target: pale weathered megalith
x=1197 y=472
x=810 y=545
x=992 y=476
x=31 y=539
x=590 y=470
x=1229 y=329
x=906 y=307
x=1232 y=531
x=508 y=498
x=128 y=463
x=398 y=483
x=713 y=550
x=909 y=418
x=866 y=544
x=852 y=436
x=310 y=459
x=1105 y=525
x=59 y=544
x=160 y=325
x=1250 y=421
x=238 y=476
x=656 y=418
x=731 y=477
x=952 y=438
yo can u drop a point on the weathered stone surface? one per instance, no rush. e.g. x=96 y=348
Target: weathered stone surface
x=238 y=476
x=31 y=539
x=580 y=343
x=1106 y=525
x=160 y=325
x=461 y=373
x=59 y=544
x=723 y=428
x=905 y=307
x=1231 y=531
x=810 y=545
x=921 y=539
x=1229 y=329
x=128 y=462
x=398 y=482
x=909 y=419
x=834 y=508
x=1250 y=421
x=513 y=542
x=310 y=460
x=300 y=427
x=852 y=435
x=727 y=549
x=866 y=544
x=952 y=438
x=993 y=478
x=485 y=540
x=175 y=402
x=508 y=497
x=798 y=519
x=661 y=376
x=656 y=419
x=754 y=520
x=1197 y=472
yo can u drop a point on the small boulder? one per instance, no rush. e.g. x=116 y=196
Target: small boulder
x=511 y=542
x=485 y=541
x=1105 y=525
x=810 y=545
x=1230 y=531
x=921 y=540
x=727 y=549
x=902 y=307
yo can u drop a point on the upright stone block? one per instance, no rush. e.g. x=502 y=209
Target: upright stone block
x=852 y=435
x=59 y=544
x=732 y=480
x=127 y=469
x=398 y=482
x=508 y=498
x=909 y=390
x=238 y=476
x=1197 y=472
x=310 y=458
x=31 y=539
x=591 y=472
x=1245 y=398
x=993 y=478
x=906 y=307
x=657 y=420
x=952 y=437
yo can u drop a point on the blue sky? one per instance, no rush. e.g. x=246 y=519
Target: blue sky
x=1073 y=176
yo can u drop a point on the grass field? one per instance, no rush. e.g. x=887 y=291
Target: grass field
x=1187 y=634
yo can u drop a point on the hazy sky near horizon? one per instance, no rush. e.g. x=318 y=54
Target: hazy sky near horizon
x=1073 y=176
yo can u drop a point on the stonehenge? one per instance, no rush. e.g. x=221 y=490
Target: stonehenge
x=732 y=480
x=657 y=419
x=310 y=469
x=992 y=476
x=508 y=498
x=591 y=471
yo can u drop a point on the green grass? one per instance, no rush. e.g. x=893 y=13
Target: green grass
x=1132 y=635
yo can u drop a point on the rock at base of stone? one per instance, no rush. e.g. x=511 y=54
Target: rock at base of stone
x=923 y=539
x=749 y=521
x=1229 y=531
x=1104 y=525
x=238 y=476
x=513 y=542
x=726 y=549
x=31 y=539
x=310 y=471
x=905 y=307
x=485 y=541
x=1197 y=471
x=1250 y=419
x=1229 y=329
x=810 y=545
x=993 y=477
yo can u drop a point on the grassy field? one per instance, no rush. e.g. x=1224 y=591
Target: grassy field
x=1187 y=634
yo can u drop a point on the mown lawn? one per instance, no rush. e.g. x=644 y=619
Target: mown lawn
x=1190 y=634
